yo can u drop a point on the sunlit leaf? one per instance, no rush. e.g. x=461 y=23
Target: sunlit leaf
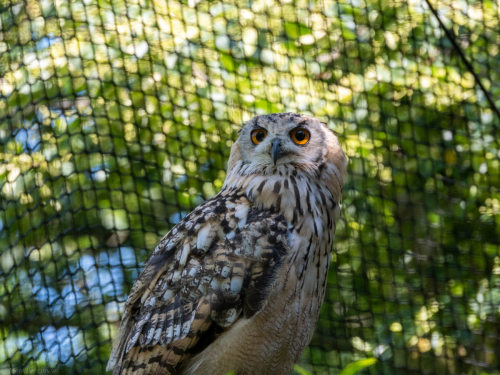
x=353 y=368
x=300 y=370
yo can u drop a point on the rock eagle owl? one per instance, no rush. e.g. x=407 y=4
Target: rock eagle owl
x=237 y=285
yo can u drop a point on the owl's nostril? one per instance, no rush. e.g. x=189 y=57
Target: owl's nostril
x=277 y=150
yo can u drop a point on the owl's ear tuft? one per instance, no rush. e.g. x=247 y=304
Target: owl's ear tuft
x=235 y=155
x=328 y=128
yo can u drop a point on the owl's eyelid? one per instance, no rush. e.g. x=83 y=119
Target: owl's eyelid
x=257 y=127
x=300 y=127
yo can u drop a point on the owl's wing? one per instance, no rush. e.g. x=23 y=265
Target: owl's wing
x=210 y=269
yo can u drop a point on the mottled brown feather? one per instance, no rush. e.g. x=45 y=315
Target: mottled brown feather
x=216 y=280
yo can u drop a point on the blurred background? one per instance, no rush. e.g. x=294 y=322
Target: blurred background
x=117 y=118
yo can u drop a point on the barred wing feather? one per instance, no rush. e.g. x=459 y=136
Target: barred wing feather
x=216 y=266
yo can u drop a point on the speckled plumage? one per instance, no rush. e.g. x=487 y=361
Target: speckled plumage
x=237 y=285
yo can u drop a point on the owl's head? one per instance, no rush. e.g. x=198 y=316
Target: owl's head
x=284 y=150
x=286 y=140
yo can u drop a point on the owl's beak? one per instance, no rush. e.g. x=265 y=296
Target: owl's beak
x=277 y=150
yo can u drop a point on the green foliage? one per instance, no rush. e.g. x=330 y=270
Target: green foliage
x=355 y=367
x=117 y=118
x=300 y=371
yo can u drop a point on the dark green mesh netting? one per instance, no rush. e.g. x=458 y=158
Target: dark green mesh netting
x=117 y=118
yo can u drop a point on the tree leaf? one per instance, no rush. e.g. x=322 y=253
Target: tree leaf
x=354 y=367
x=301 y=371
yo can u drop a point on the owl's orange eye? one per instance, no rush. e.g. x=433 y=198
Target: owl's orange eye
x=258 y=136
x=300 y=136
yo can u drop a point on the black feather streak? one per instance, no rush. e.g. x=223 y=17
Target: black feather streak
x=261 y=186
x=297 y=194
x=277 y=187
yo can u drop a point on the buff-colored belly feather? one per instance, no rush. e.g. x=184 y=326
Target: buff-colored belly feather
x=269 y=343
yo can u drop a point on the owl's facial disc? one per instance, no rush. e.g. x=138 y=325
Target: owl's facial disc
x=285 y=139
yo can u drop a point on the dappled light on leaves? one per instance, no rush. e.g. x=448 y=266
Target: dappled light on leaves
x=116 y=120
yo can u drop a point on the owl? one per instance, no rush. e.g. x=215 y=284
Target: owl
x=237 y=285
